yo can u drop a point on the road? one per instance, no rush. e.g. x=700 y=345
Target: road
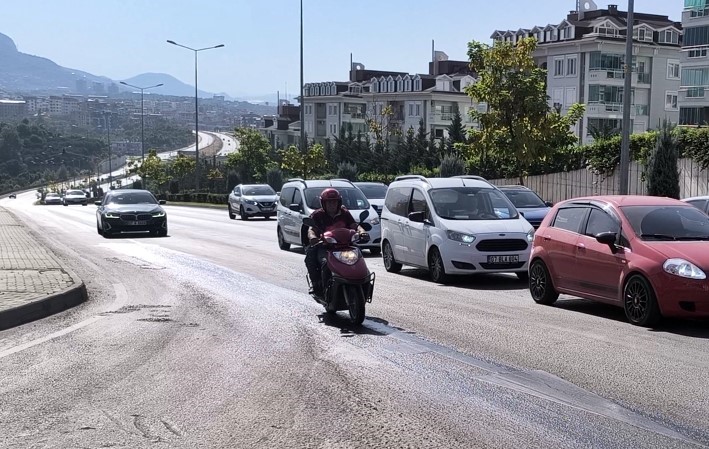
x=207 y=338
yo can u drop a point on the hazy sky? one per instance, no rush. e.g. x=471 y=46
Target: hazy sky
x=123 y=38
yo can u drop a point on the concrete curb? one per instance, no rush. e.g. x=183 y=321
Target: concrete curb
x=44 y=307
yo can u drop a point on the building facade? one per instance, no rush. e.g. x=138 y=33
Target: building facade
x=396 y=101
x=694 y=105
x=584 y=56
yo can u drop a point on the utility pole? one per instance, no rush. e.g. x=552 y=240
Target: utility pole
x=627 y=103
x=302 y=106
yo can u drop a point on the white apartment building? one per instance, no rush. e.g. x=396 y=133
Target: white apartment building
x=585 y=55
x=694 y=61
x=433 y=98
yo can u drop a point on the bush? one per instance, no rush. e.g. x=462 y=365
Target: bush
x=347 y=170
x=452 y=165
x=662 y=172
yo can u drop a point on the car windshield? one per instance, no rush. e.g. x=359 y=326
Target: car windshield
x=524 y=198
x=75 y=192
x=662 y=223
x=352 y=199
x=258 y=190
x=131 y=198
x=472 y=203
x=373 y=191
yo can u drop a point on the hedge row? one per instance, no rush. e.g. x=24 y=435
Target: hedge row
x=212 y=198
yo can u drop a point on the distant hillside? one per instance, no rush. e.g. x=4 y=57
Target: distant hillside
x=171 y=85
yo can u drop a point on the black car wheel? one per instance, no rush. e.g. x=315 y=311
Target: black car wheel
x=640 y=303
x=285 y=246
x=232 y=215
x=389 y=263
x=242 y=213
x=540 y=286
x=436 y=268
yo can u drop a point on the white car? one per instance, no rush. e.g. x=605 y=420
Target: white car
x=52 y=198
x=375 y=193
x=459 y=225
x=75 y=197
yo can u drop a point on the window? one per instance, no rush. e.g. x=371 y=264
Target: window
x=400 y=85
x=417 y=84
x=397 y=200
x=669 y=37
x=698 y=53
x=333 y=130
x=558 y=67
x=605 y=29
x=570 y=219
x=642 y=34
x=287 y=196
x=699 y=204
x=695 y=92
x=540 y=36
x=571 y=65
x=418 y=109
x=697 y=13
x=695 y=77
x=599 y=221
x=390 y=86
x=418 y=202
x=407 y=85
x=566 y=33
x=692 y=116
x=298 y=198
x=673 y=69
x=670 y=101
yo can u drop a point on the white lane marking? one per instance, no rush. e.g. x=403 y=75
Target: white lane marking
x=49 y=337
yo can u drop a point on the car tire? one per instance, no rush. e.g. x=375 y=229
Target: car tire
x=540 y=284
x=84 y=204
x=98 y=229
x=640 y=302
x=232 y=215
x=242 y=213
x=285 y=246
x=390 y=264
x=65 y=203
x=436 y=269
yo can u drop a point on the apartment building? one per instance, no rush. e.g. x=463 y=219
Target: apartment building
x=584 y=56
x=396 y=100
x=693 y=104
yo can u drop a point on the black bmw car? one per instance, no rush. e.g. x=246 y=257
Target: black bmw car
x=130 y=211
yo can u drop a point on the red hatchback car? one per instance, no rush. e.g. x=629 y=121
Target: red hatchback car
x=649 y=255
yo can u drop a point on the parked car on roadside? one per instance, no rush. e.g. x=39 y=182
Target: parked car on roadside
x=375 y=193
x=299 y=198
x=75 y=197
x=52 y=198
x=252 y=200
x=528 y=203
x=12 y=196
x=645 y=254
x=453 y=226
x=700 y=202
x=130 y=211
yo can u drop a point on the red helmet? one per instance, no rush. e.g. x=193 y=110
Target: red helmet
x=330 y=194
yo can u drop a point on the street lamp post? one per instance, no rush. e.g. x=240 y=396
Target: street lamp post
x=196 y=106
x=142 y=113
x=107 y=118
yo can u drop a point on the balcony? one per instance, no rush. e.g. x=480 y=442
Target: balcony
x=605 y=75
x=616 y=108
x=353 y=115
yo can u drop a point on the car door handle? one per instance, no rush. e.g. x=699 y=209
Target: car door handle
x=580 y=246
x=546 y=238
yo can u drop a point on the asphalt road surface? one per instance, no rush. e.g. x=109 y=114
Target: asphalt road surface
x=207 y=338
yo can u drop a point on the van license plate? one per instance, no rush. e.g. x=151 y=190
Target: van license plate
x=502 y=259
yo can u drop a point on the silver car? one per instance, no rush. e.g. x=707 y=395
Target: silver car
x=252 y=200
x=52 y=198
x=75 y=197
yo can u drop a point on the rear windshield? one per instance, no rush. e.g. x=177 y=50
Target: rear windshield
x=352 y=199
x=373 y=191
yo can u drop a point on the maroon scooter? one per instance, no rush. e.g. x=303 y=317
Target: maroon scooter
x=347 y=282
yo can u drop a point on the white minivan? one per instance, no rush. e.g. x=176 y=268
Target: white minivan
x=459 y=225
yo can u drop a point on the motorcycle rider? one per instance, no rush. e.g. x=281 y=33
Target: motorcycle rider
x=331 y=214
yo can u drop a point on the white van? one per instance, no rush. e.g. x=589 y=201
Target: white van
x=458 y=225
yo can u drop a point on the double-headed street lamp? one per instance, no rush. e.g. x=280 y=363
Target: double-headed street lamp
x=196 y=106
x=142 y=113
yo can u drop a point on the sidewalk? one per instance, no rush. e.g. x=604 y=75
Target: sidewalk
x=33 y=282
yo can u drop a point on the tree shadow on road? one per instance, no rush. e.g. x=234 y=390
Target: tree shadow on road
x=684 y=327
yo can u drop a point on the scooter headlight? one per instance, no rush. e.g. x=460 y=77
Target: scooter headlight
x=348 y=257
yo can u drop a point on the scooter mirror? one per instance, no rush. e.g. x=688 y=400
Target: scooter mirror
x=363 y=216
x=366 y=226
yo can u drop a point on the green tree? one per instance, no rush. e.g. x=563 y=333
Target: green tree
x=304 y=165
x=253 y=155
x=663 y=175
x=347 y=170
x=452 y=165
x=518 y=123
x=456 y=132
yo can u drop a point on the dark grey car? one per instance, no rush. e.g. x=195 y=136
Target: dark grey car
x=130 y=211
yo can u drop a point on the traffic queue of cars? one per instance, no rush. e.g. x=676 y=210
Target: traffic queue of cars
x=647 y=255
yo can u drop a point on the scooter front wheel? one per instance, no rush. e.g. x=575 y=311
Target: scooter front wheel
x=355 y=302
